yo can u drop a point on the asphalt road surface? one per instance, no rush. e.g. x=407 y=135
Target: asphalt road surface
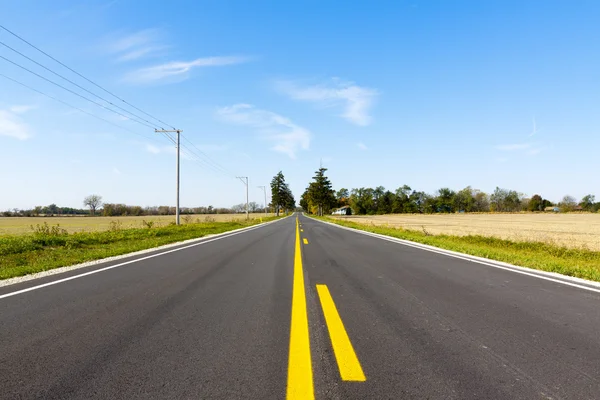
x=298 y=309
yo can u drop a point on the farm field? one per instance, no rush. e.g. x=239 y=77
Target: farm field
x=22 y=225
x=578 y=231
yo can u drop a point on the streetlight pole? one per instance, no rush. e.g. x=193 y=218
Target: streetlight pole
x=264 y=188
x=178 y=144
x=241 y=178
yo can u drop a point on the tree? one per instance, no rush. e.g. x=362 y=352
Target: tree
x=253 y=206
x=567 y=203
x=93 y=201
x=343 y=197
x=278 y=191
x=445 y=200
x=588 y=202
x=481 y=201
x=464 y=201
x=536 y=203
x=320 y=193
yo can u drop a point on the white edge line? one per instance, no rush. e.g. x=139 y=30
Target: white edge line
x=479 y=260
x=225 y=235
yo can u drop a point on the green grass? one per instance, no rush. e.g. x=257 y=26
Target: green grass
x=538 y=255
x=52 y=247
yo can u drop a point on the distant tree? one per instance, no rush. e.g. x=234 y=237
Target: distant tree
x=402 y=201
x=588 y=202
x=361 y=201
x=445 y=200
x=343 y=197
x=463 y=200
x=481 y=201
x=281 y=195
x=93 y=201
x=536 y=203
x=320 y=194
x=253 y=206
x=567 y=203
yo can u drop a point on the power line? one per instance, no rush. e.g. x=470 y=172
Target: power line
x=80 y=75
x=71 y=91
x=74 y=83
x=77 y=108
x=203 y=163
x=209 y=160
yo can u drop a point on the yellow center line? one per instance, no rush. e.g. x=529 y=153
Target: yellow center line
x=305 y=240
x=348 y=364
x=300 y=376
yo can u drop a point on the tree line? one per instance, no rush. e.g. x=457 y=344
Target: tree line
x=319 y=198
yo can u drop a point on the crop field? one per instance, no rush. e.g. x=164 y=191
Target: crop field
x=577 y=231
x=22 y=225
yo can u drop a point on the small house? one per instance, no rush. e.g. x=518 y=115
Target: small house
x=552 y=209
x=346 y=210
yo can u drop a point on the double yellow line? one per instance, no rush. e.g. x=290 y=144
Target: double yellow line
x=300 y=375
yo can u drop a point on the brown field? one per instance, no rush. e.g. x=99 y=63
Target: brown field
x=21 y=225
x=570 y=230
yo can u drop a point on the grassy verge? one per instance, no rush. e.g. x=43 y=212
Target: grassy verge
x=538 y=255
x=51 y=247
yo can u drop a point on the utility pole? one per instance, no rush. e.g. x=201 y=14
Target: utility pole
x=264 y=188
x=241 y=178
x=178 y=131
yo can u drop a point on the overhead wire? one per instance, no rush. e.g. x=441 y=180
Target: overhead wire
x=208 y=159
x=70 y=91
x=79 y=86
x=79 y=109
x=82 y=76
x=203 y=160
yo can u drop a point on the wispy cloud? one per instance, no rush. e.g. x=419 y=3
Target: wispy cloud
x=150 y=148
x=134 y=46
x=362 y=146
x=514 y=147
x=116 y=171
x=287 y=137
x=355 y=100
x=535 y=129
x=178 y=71
x=11 y=124
x=21 y=109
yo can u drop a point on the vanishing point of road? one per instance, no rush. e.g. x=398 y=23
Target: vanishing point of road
x=299 y=309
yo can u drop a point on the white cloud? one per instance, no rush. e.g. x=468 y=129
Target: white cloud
x=116 y=171
x=287 y=137
x=12 y=126
x=178 y=70
x=355 y=100
x=362 y=146
x=141 y=44
x=21 y=109
x=514 y=147
x=152 y=149
x=534 y=152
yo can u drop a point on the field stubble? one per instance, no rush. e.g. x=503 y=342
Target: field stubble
x=22 y=225
x=576 y=231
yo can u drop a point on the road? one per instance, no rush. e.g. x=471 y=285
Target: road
x=295 y=309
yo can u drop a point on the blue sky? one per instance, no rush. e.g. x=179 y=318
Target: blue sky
x=430 y=94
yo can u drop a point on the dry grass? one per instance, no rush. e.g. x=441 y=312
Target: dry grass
x=579 y=231
x=18 y=225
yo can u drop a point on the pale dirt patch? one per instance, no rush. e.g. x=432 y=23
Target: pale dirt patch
x=570 y=230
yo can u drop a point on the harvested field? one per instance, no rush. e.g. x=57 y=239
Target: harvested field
x=581 y=231
x=22 y=225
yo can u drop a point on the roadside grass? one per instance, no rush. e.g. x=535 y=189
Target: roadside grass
x=49 y=247
x=580 y=263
